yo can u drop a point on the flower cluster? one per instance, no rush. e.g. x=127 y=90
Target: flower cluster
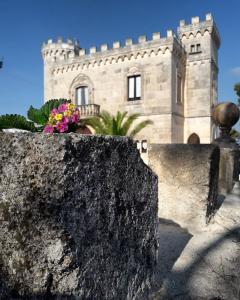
x=63 y=119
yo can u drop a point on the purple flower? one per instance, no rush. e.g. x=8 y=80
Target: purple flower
x=48 y=129
x=62 y=127
x=75 y=118
x=62 y=107
x=65 y=120
x=54 y=111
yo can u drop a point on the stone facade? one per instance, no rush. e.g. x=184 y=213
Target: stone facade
x=178 y=79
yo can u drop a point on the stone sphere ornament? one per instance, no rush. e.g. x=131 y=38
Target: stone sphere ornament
x=225 y=115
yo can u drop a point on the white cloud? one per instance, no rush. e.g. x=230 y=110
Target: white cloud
x=236 y=71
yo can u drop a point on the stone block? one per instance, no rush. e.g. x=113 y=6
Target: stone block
x=142 y=39
x=93 y=50
x=128 y=42
x=116 y=45
x=229 y=168
x=156 y=36
x=78 y=218
x=104 y=47
x=187 y=182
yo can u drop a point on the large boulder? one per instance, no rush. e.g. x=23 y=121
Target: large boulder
x=78 y=218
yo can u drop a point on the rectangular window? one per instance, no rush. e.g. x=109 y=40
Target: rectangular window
x=134 y=88
x=82 y=95
x=198 y=48
x=192 y=48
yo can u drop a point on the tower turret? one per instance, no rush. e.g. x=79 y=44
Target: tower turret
x=201 y=41
x=60 y=50
x=53 y=53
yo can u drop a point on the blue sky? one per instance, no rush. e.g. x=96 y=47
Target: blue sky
x=25 y=24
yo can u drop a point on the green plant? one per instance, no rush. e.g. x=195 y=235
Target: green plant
x=120 y=124
x=237 y=90
x=234 y=133
x=16 y=121
x=38 y=118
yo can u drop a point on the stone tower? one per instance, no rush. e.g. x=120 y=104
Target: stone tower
x=201 y=41
x=56 y=53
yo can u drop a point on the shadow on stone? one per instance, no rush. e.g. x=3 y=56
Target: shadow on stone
x=203 y=278
x=220 y=201
x=172 y=239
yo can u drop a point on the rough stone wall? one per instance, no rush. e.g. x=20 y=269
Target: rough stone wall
x=187 y=182
x=78 y=217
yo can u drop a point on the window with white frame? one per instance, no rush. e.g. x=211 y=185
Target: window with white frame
x=134 y=87
x=82 y=95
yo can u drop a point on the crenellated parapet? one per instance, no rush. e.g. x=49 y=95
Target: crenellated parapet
x=60 y=50
x=199 y=28
x=64 y=57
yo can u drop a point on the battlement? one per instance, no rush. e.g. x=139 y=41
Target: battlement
x=69 y=49
x=196 y=20
x=197 y=26
x=62 y=49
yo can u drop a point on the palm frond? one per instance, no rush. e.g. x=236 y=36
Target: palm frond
x=97 y=125
x=139 y=127
x=119 y=120
x=16 y=122
x=115 y=125
x=127 y=124
x=36 y=116
x=106 y=120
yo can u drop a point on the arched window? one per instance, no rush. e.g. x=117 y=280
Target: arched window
x=81 y=90
x=82 y=95
x=193 y=139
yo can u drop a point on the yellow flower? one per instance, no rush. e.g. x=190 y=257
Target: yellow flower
x=67 y=113
x=58 y=117
x=71 y=106
x=51 y=118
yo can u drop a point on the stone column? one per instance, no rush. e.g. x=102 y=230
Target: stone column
x=226 y=115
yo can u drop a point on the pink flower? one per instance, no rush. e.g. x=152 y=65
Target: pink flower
x=48 y=129
x=75 y=118
x=65 y=120
x=62 y=127
x=62 y=107
x=54 y=111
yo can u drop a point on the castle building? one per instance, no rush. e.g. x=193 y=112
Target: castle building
x=170 y=80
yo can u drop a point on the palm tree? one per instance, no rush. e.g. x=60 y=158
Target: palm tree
x=120 y=124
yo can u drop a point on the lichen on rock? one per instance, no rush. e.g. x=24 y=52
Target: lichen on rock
x=78 y=217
